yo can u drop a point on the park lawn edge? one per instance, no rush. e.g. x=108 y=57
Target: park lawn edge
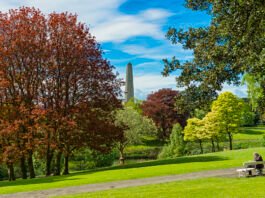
x=214 y=161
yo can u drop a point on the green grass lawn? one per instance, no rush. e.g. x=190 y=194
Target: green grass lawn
x=250 y=133
x=179 y=165
x=200 y=188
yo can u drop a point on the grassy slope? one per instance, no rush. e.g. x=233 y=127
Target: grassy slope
x=140 y=170
x=250 y=133
x=201 y=188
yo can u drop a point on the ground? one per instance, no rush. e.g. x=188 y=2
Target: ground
x=200 y=188
x=211 y=161
x=154 y=168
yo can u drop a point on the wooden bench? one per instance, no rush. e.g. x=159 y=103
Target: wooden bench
x=244 y=172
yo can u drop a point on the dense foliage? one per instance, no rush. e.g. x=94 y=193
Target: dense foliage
x=160 y=107
x=135 y=126
x=230 y=46
x=56 y=90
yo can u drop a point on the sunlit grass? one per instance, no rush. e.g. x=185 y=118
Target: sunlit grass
x=153 y=168
x=200 y=188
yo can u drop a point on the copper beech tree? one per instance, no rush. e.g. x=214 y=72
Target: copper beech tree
x=160 y=107
x=53 y=84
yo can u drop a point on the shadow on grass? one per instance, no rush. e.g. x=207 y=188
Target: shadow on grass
x=39 y=180
x=178 y=160
x=51 y=179
x=251 y=132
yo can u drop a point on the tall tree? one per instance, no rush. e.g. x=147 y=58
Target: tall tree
x=255 y=92
x=230 y=46
x=160 y=107
x=23 y=37
x=53 y=75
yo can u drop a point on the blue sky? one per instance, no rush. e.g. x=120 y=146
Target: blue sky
x=132 y=31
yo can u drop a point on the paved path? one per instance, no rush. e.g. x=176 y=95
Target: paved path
x=231 y=172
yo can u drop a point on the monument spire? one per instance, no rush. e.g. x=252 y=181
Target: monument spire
x=129 y=90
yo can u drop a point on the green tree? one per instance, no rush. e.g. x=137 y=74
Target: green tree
x=255 y=91
x=233 y=44
x=135 y=104
x=176 y=144
x=135 y=127
x=195 y=131
x=228 y=109
x=248 y=116
x=211 y=125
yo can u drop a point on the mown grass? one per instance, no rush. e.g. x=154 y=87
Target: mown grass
x=250 y=133
x=179 y=165
x=200 y=188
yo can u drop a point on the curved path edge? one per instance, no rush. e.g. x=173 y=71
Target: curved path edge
x=122 y=184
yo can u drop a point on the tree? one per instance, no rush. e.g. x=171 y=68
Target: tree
x=228 y=109
x=233 y=44
x=255 y=91
x=135 y=126
x=135 y=104
x=160 y=107
x=176 y=144
x=52 y=77
x=248 y=116
x=195 y=131
x=193 y=99
x=212 y=125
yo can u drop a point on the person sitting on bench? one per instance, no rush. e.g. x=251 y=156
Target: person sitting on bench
x=259 y=167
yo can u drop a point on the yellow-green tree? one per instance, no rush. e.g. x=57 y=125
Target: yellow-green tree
x=211 y=125
x=228 y=109
x=195 y=131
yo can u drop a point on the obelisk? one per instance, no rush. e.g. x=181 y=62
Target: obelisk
x=129 y=91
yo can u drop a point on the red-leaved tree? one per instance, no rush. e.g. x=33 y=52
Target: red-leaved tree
x=52 y=75
x=160 y=107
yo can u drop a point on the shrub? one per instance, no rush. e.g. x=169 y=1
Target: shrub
x=176 y=145
x=88 y=159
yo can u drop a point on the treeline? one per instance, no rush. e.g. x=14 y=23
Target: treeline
x=56 y=91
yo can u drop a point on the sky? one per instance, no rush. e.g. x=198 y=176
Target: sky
x=132 y=31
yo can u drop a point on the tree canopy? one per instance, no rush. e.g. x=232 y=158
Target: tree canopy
x=228 y=109
x=160 y=107
x=135 y=126
x=56 y=89
x=233 y=44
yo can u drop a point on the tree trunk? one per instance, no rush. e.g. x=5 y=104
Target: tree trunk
x=201 y=146
x=66 y=165
x=217 y=144
x=230 y=141
x=11 y=173
x=49 y=156
x=58 y=163
x=122 y=157
x=31 y=166
x=213 y=146
x=23 y=167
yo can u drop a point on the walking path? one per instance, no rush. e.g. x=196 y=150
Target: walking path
x=231 y=172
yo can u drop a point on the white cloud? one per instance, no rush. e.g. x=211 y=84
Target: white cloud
x=158 y=52
x=103 y=17
x=146 y=84
x=122 y=27
x=240 y=91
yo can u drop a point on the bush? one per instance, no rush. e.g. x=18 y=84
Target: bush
x=3 y=172
x=103 y=160
x=88 y=159
x=176 y=145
